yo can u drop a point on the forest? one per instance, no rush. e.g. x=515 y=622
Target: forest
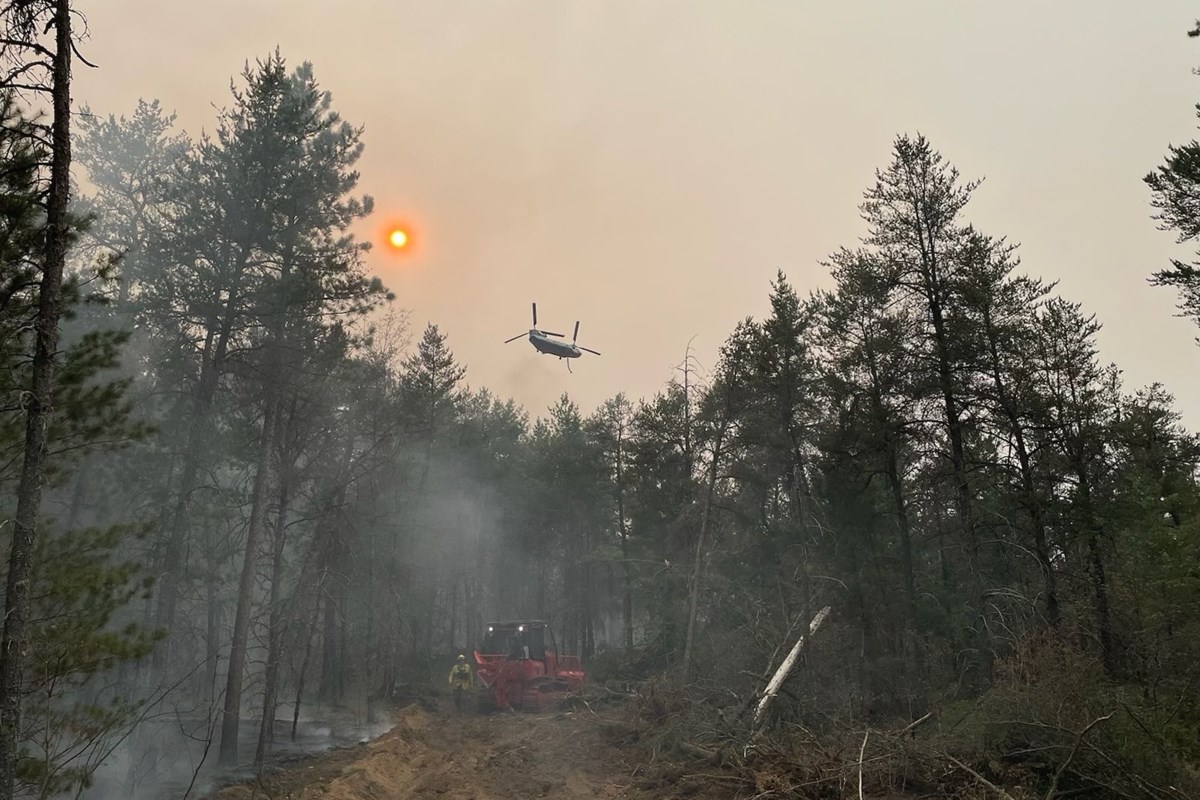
x=236 y=484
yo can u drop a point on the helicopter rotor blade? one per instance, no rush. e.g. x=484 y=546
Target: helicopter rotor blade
x=550 y=333
x=576 y=336
x=588 y=349
x=535 y=315
x=518 y=336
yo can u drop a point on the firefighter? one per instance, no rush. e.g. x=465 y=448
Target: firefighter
x=461 y=678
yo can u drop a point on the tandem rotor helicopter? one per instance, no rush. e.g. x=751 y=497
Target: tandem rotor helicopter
x=543 y=342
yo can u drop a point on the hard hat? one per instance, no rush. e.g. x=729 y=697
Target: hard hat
x=461 y=657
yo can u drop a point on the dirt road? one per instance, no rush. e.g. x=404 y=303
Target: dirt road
x=567 y=755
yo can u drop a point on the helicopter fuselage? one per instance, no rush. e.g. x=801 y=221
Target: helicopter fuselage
x=551 y=344
x=553 y=347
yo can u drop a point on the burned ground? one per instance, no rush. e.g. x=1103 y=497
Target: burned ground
x=568 y=754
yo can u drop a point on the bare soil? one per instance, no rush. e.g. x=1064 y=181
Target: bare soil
x=600 y=749
x=571 y=754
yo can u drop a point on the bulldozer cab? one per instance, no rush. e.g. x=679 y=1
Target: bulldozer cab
x=518 y=640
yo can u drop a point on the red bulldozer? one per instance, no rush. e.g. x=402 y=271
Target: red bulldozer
x=520 y=669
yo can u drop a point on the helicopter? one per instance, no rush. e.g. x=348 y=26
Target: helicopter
x=543 y=342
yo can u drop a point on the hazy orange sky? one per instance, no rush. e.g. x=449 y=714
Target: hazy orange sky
x=646 y=167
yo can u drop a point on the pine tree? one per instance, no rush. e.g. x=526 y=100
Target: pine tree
x=132 y=162
x=310 y=271
x=1175 y=195
x=23 y=23
x=914 y=213
x=429 y=387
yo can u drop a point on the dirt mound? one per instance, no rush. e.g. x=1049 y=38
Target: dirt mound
x=565 y=755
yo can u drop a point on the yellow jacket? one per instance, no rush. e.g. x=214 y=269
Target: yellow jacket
x=461 y=675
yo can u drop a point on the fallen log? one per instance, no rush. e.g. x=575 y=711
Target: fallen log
x=781 y=674
x=999 y=792
x=912 y=725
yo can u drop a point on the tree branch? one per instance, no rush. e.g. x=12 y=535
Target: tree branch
x=1071 y=756
x=979 y=777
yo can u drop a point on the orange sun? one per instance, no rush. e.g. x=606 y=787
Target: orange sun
x=398 y=239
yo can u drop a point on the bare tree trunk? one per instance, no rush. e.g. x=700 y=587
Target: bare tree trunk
x=372 y=654
x=231 y=717
x=310 y=631
x=330 y=657
x=626 y=572
x=903 y=527
x=343 y=603
x=212 y=647
x=586 y=593
x=1097 y=574
x=543 y=581
x=694 y=594
x=38 y=410
x=266 y=727
x=620 y=423
x=697 y=564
